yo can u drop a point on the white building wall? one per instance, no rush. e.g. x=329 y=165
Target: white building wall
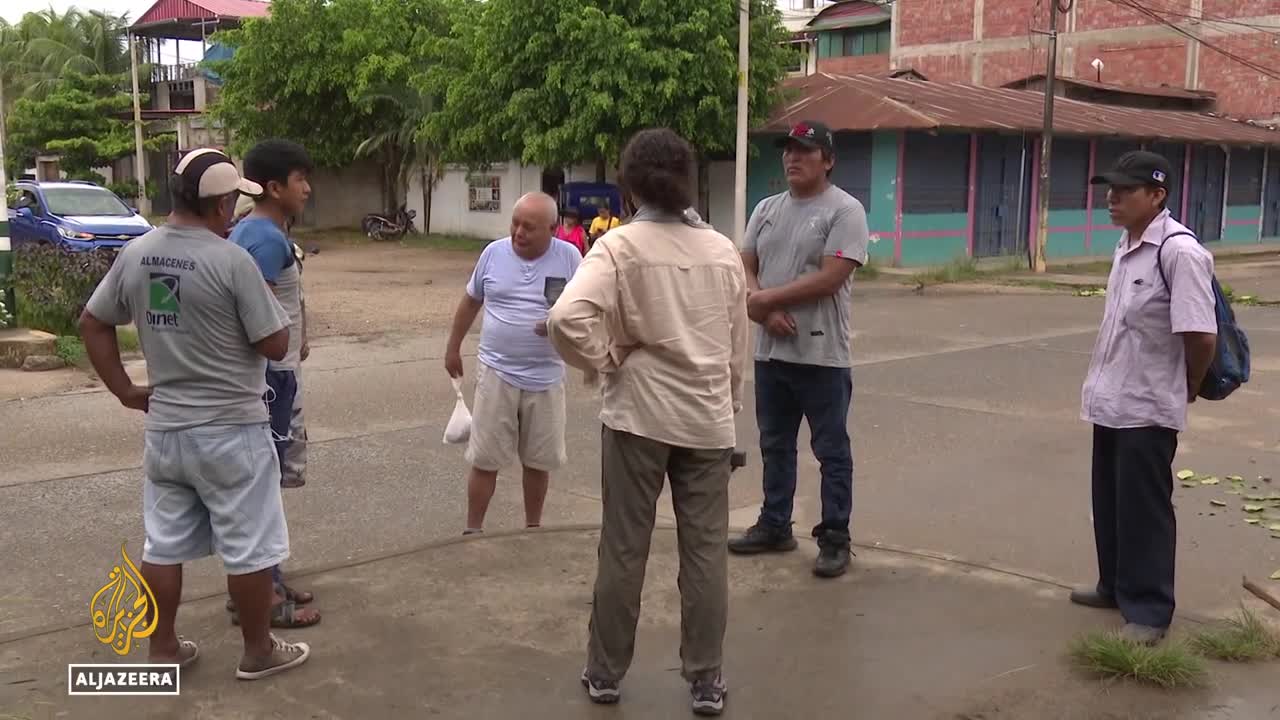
x=451 y=211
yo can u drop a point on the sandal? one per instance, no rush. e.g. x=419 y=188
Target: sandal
x=284 y=615
x=299 y=597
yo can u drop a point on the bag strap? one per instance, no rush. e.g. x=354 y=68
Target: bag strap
x=457 y=385
x=1160 y=251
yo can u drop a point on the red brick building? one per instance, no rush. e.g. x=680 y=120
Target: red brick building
x=1177 y=44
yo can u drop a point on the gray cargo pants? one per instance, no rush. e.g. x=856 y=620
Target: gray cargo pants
x=632 y=473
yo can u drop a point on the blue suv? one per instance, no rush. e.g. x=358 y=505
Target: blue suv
x=72 y=215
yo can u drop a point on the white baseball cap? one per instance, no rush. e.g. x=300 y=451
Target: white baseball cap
x=207 y=172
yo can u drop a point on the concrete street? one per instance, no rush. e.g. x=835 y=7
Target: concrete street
x=967 y=446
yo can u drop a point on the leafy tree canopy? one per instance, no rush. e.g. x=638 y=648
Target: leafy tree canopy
x=82 y=118
x=556 y=82
x=319 y=71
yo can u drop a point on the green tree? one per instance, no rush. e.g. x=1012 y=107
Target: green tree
x=44 y=46
x=78 y=119
x=558 y=82
x=334 y=75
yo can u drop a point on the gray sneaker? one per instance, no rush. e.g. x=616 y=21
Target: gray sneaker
x=708 y=696
x=601 y=692
x=763 y=539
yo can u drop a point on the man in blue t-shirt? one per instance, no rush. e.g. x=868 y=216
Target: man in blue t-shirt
x=281 y=168
x=518 y=412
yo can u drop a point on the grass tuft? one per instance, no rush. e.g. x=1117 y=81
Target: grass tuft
x=958 y=270
x=1172 y=664
x=869 y=270
x=1241 y=638
x=71 y=348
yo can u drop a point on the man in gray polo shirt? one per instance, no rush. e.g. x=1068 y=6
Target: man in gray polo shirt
x=1156 y=343
x=207 y=324
x=800 y=252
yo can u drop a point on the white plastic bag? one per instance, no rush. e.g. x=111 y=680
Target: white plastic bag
x=458 y=430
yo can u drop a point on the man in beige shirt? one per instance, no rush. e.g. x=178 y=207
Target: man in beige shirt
x=658 y=309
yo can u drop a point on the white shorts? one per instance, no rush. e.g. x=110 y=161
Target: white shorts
x=510 y=424
x=213 y=488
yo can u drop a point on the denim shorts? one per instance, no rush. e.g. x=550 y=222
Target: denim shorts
x=213 y=489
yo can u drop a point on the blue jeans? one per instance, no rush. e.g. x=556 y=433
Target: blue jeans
x=786 y=393
x=282 y=386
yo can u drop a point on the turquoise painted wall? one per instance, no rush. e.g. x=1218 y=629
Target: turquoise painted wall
x=884 y=194
x=764 y=171
x=1066 y=244
x=1244 y=233
x=934 y=250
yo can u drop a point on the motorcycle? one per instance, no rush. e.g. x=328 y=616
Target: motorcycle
x=380 y=227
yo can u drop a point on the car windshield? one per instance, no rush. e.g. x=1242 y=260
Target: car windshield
x=85 y=201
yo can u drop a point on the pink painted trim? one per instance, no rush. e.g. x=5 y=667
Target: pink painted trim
x=1088 y=203
x=1242 y=222
x=1035 y=196
x=897 y=198
x=973 y=192
x=917 y=234
x=1073 y=228
x=1186 y=181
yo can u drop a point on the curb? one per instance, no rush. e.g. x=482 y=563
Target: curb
x=1190 y=616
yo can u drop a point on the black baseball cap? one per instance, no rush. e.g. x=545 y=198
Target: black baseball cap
x=1136 y=168
x=810 y=135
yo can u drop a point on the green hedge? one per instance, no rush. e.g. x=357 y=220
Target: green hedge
x=53 y=285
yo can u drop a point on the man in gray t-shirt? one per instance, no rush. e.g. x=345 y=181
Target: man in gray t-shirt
x=800 y=251
x=207 y=324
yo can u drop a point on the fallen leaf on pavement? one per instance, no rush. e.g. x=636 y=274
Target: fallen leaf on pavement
x=1275 y=575
x=1218 y=503
x=1255 y=498
x=1233 y=492
x=1186 y=474
x=1252 y=521
x=1253 y=508
x=1274 y=528
x=1209 y=481
x=1235 y=478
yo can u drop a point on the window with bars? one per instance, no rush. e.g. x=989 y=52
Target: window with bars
x=484 y=193
x=1245 y=184
x=869 y=40
x=936 y=174
x=1069 y=174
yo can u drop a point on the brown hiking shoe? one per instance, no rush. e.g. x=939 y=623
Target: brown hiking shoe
x=284 y=656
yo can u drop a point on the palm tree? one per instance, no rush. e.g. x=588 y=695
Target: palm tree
x=401 y=143
x=45 y=45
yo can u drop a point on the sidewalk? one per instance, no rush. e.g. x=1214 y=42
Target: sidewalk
x=495 y=627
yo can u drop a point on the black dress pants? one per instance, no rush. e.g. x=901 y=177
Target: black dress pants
x=1133 y=520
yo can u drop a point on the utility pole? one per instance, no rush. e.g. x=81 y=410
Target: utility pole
x=139 y=158
x=1046 y=146
x=740 y=158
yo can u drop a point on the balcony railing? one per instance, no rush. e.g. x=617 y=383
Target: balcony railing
x=173 y=73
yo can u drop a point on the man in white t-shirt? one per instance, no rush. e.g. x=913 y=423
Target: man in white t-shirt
x=518 y=412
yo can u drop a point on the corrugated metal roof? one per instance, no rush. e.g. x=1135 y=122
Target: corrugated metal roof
x=862 y=103
x=173 y=10
x=1165 y=91
x=853 y=13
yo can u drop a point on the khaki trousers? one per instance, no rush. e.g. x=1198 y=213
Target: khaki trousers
x=632 y=473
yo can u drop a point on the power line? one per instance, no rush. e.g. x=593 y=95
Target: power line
x=1136 y=6
x=1175 y=12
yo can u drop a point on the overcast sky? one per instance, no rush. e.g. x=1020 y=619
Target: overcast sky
x=13 y=11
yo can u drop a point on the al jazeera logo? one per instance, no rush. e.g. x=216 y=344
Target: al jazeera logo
x=123 y=612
